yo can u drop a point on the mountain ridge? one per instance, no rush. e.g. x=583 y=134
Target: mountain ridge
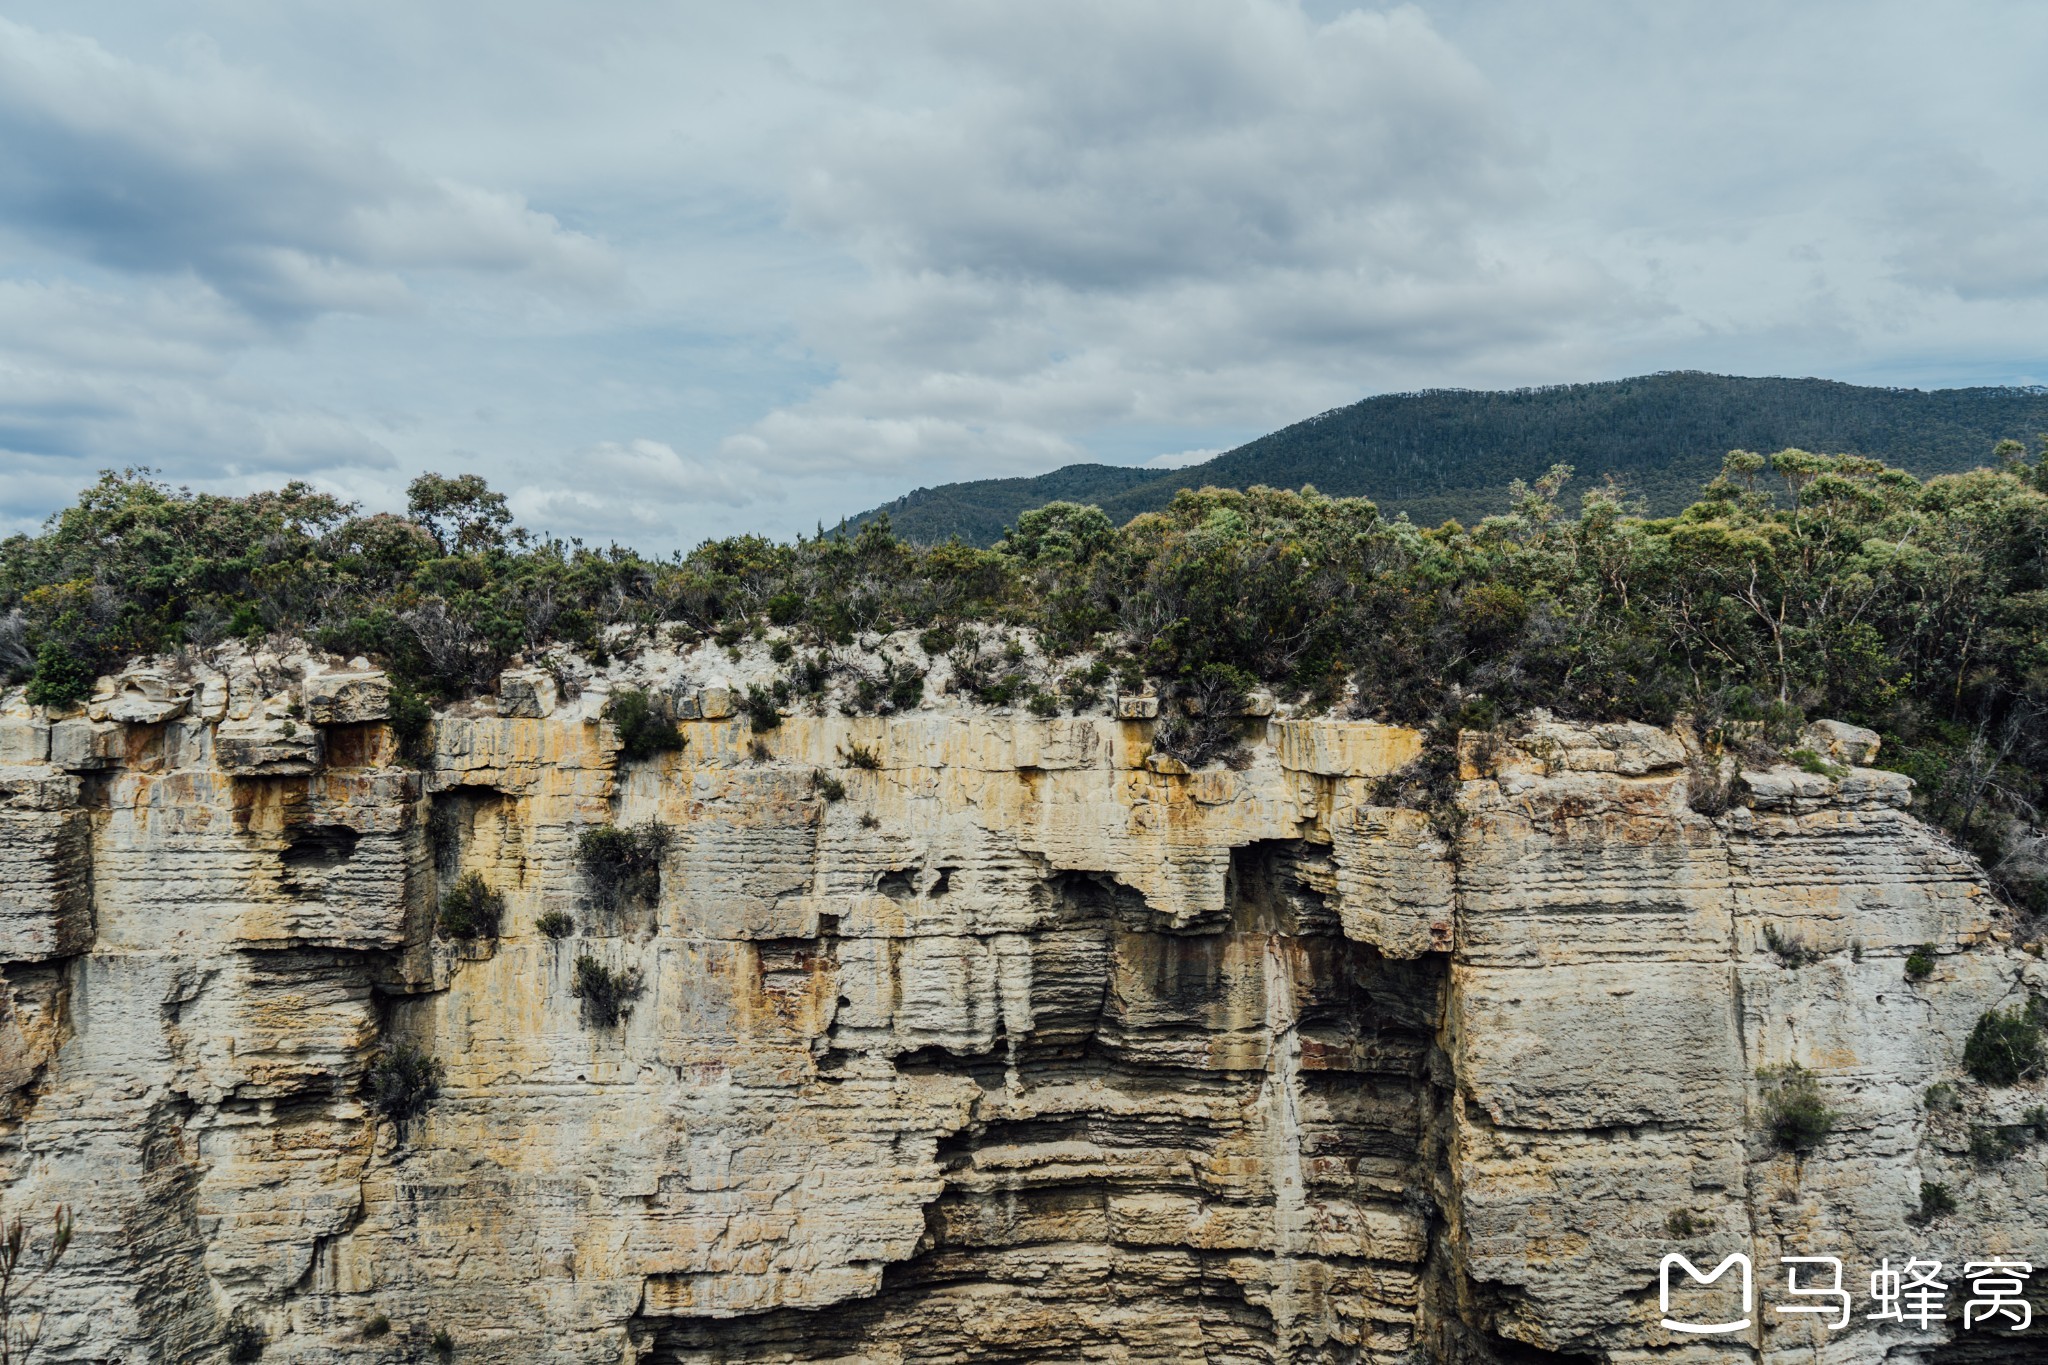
x=1451 y=453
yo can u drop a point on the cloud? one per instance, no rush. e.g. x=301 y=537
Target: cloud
x=1964 y=229
x=205 y=171
x=1190 y=213
x=1181 y=459
x=641 y=485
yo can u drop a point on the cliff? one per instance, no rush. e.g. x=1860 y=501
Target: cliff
x=1031 y=1046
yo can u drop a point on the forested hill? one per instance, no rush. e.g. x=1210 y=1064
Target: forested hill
x=1452 y=453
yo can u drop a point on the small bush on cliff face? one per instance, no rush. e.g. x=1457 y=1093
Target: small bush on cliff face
x=471 y=909
x=607 y=995
x=403 y=1081
x=622 y=866
x=762 y=712
x=2005 y=1047
x=555 y=924
x=1798 y=1119
x=645 y=729
x=1936 y=1201
x=1791 y=949
x=1920 y=963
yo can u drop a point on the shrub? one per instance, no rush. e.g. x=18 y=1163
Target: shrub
x=869 y=820
x=2004 y=1048
x=1806 y=760
x=2036 y=1120
x=862 y=757
x=622 y=866
x=1708 y=787
x=1043 y=704
x=1990 y=1145
x=1920 y=963
x=443 y=1344
x=1936 y=1201
x=377 y=1326
x=403 y=1081
x=1798 y=1119
x=828 y=786
x=556 y=924
x=937 y=640
x=1941 y=1098
x=471 y=909
x=412 y=722
x=1684 y=1223
x=782 y=651
x=607 y=996
x=762 y=712
x=644 y=725
x=1790 y=948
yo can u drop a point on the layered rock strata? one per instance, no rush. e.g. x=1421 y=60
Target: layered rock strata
x=1026 y=1047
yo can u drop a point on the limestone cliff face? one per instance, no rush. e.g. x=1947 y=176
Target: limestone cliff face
x=1026 y=1049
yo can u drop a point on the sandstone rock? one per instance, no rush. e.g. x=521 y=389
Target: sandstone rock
x=1850 y=745
x=24 y=739
x=528 y=693
x=1030 y=1048
x=352 y=698
x=81 y=745
x=268 y=748
x=139 y=697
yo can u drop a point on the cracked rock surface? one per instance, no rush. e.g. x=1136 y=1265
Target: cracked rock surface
x=1021 y=1050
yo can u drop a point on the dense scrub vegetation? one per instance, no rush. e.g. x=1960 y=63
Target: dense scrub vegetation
x=1794 y=586
x=1452 y=452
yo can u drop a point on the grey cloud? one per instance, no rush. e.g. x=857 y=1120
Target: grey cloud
x=1965 y=229
x=205 y=171
x=1108 y=147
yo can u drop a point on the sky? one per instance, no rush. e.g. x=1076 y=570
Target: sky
x=669 y=271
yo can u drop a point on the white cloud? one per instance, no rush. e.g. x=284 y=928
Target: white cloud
x=1181 y=459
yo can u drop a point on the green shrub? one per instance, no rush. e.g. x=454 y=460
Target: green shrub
x=443 y=1344
x=607 y=995
x=411 y=722
x=403 y=1081
x=782 y=651
x=1920 y=963
x=471 y=909
x=2005 y=1047
x=1941 y=1098
x=1989 y=1144
x=622 y=867
x=645 y=727
x=1809 y=761
x=862 y=757
x=555 y=924
x=1685 y=1223
x=1794 y=1112
x=828 y=786
x=378 y=1325
x=938 y=640
x=1043 y=704
x=761 y=711
x=1936 y=1201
